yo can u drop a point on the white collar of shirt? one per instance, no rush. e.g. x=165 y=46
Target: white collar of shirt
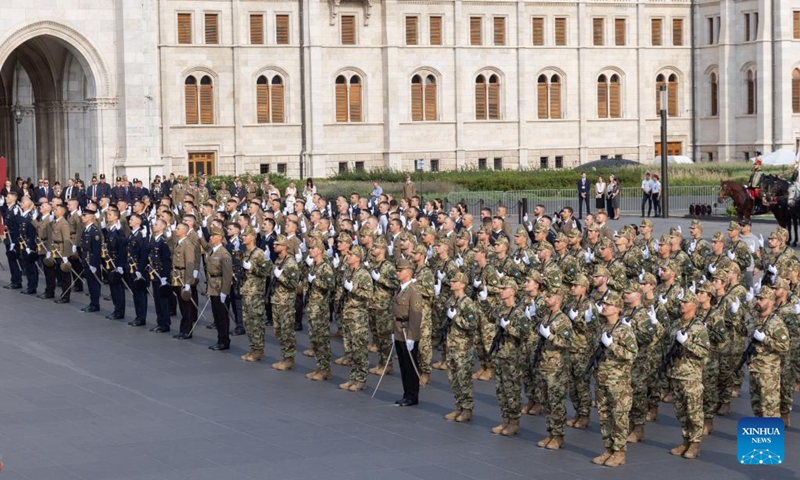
x=214 y=250
x=404 y=285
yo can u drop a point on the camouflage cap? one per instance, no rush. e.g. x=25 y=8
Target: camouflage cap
x=734 y=226
x=509 y=283
x=775 y=234
x=574 y=233
x=718 y=237
x=380 y=242
x=480 y=248
x=215 y=231
x=605 y=243
x=428 y=231
x=344 y=237
x=696 y=224
x=671 y=265
x=579 y=279
x=521 y=232
x=534 y=276
x=365 y=232
x=630 y=287
x=601 y=271
x=560 y=237
x=613 y=298
x=420 y=249
x=406 y=236
x=664 y=240
x=688 y=296
x=460 y=277
x=720 y=273
x=502 y=239
x=646 y=222
x=314 y=242
x=706 y=287
x=555 y=290
x=544 y=246
x=540 y=228
x=485 y=229
x=463 y=234
x=674 y=232
x=358 y=251
x=781 y=283
x=404 y=264
x=593 y=228
x=279 y=240
x=766 y=292
x=649 y=279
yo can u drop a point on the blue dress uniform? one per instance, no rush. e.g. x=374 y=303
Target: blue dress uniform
x=11 y=222
x=160 y=261
x=91 y=243
x=138 y=249
x=116 y=244
x=27 y=250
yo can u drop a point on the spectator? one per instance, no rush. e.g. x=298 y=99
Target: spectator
x=377 y=191
x=600 y=193
x=409 y=190
x=583 y=195
x=647 y=189
x=655 y=194
x=612 y=190
x=309 y=190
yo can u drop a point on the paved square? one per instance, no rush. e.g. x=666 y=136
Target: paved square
x=82 y=397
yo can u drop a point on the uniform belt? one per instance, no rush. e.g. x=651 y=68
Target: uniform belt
x=177 y=268
x=215 y=276
x=58 y=243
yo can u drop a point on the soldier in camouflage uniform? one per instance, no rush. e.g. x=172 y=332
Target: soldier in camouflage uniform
x=788 y=308
x=642 y=321
x=425 y=281
x=738 y=251
x=794 y=328
x=717 y=258
x=581 y=312
x=689 y=338
x=355 y=319
x=534 y=309
x=462 y=315
x=647 y=246
x=485 y=285
x=523 y=255
x=546 y=266
x=728 y=309
x=771 y=341
x=614 y=394
x=283 y=292
x=445 y=269
x=698 y=248
x=339 y=263
x=552 y=360
x=574 y=261
x=647 y=285
x=321 y=284
x=713 y=317
x=687 y=270
x=511 y=327
x=780 y=258
x=384 y=278
x=257 y=267
x=630 y=258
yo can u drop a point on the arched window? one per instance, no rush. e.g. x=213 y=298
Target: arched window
x=714 y=98
x=270 y=99
x=348 y=98
x=423 y=98
x=487 y=97
x=190 y=98
x=752 y=104
x=548 y=96
x=796 y=90
x=608 y=96
x=672 y=94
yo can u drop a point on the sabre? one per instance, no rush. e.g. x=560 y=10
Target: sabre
x=385 y=367
x=411 y=357
x=208 y=299
x=183 y=285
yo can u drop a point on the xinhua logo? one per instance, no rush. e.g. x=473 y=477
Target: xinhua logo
x=760 y=441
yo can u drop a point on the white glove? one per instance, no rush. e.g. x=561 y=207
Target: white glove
x=759 y=335
x=588 y=256
x=651 y=314
x=439 y=274
x=48 y=254
x=375 y=275
x=309 y=261
x=277 y=272
x=572 y=313
x=680 y=294
x=731 y=256
x=587 y=315
x=544 y=331
x=525 y=218
x=662 y=299
x=771 y=269
x=483 y=294
x=451 y=313
x=646 y=253
x=2 y=200
x=410 y=345
x=303 y=227
x=532 y=308
x=711 y=269
x=222 y=297
x=298 y=257
x=139 y=276
x=393 y=338
x=390 y=249
x=735 y=305
x=74 y=248
x=187 y=287
x=303 y=247
x=517 y=260
x=528 y=313
x=103 y=224
x=329 y=252
x=437 y=289
x=246 y=265
x=119 y=270
x=336 y=261
x=51 y=217
x=657 y=245
x=679 y=229
x=599 y=307
x=692 y=246
x=757 y=287
x=693 y=287
x=606 y=339
x=797 y=308
x=681 y=337
x=525 y=258
x=311 y=278
x=626 y=321
x=761 y=240
x=348 y=285
x=750 y=295
x=163 y=280
x=476 y=283
x=195 y=273
x=278 y=229
x=28 y=251
x=500 y=275
x=93 y=269
x=752 y=248
x=64 y=259
x=529 y=227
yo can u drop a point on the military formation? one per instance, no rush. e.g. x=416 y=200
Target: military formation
x=557 y=310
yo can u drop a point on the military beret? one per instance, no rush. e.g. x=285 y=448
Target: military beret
x=534 y=276
x=696 y=224
x=613 y=298
x=344 y=237
x=420 y=249
x=544 y=246
x=688 y=296
x=717 y=237
x=404 y=264
x=560 y=237
x=460 y=277
x=766 y=292
x=214 y=231
x=509 y=283
x=734 y=226
x=781 y=283
x=279 y=240
x=646 y=222
x=707 y=288
x=580 y=279
x=521 y=232
x=664 y=240
x=601 y=271
x=648 y=279
x=357 y=251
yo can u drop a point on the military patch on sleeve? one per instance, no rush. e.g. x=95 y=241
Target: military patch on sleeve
x=97 y=237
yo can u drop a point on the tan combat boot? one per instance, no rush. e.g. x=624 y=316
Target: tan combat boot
x=256 y=355
x=345 y=385
x=536 y=409
x=341 y=361
x=581 y=422
x=312 y=374
x=373 y=348
x=736 y=392
x=637 y=434
x=556 y=443
x=246 y=356
x=680 y=449
x=544 y=442
x=440 y=365
x=786 y=421
x=667 y=398
x=308 y=352
x=512 y=428
x=724 y=409
x=487 y=374
x=321 y=375
x=376 y=370
x=652 y=414
x=453 y=415
x=693 y=451
x=617 y=459
x=357 y=386
x=601 y=459
x=571 y=421
x=477 y=375
x=708 y=426
x=285 y=364
x=466 y=415
x=496 y=430
x=528 y=406
x=425 y=379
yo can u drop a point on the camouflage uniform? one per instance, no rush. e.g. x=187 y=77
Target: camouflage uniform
x=644 y=332
x=699 y=252
x=380 y=309
x=614 y=396
x=532 y=379
x=554 y=367
x=318 y=296
x=790 y=319
x=738 y=325
x=284 y=293
x=487 y=277
x=355 y=322
x=580 y=351
x=714 y=320
x=460 y=350
x=447 y=268
x=508 y=360
x=425 y=281
x=742 y=255
x=656 y=352
x=252 y=291
x=765 y=365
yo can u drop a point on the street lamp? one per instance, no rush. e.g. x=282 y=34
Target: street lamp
x=17 y=114
x=664 y=188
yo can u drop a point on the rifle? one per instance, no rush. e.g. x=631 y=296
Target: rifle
x=537 y=354
x=749 y=352
x=500 y=336
x=446 y=327
x=676 y=349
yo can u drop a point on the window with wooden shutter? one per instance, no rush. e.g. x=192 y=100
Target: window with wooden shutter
x=348 y=29
x=561 y=31
x=796 y=24
x=714 y=95
x=480 y=98
x=655 y=32
x=555 y=96
x=354 y=94
x=212 y=28
x=256 y=29
x=430 y=98
x=677 y=32
x=206 y=101
x=602 y=97
x=751 y=93
x=493 y=98
x=416 y=99
x=341 y=99
x=185 y=28
x=659 y=84
x=672 y=96
x=597 y=31
x=190 y=99
x=282 y=29
x=619 y=32
x=475 y=30
x=796 y=90
x=541 y=97
x=537 y=27
x=435 y=30
x=262 y=100
x=499 y=30
x=277 y=99
x=412 y=30
x=614 y=97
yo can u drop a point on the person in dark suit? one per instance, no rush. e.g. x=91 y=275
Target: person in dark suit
x=44 y=191
x=104 y=188
x=70 y=191
x=583 y=195
x=166 y=185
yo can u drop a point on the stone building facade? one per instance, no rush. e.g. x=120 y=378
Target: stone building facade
x=310 y=87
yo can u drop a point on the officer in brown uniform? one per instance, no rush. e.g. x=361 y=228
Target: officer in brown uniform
x=62 y=245
x=43 y=249
x=184 y=275
x=407 y=311
x=219 y=277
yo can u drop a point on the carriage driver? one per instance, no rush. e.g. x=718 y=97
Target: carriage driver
x=753 y=185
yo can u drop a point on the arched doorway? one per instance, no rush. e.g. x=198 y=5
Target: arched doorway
x=49 y=106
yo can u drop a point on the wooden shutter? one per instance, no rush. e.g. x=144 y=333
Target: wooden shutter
x=619 y=32
x=185 y=28
x=190 y=95
x=537 y=27
x=597 y=31
x=412 y=30
x=207 y=104
x=555 y=98
x=480 y=100
x=796 y=91
x=262 y=103
x=341 y=102
x=751 y=94
x=475 y=32
x=436 y=30
x=430 y=102
x=494 y=101
x=655 y=31
x=355 y=102
x=614 y=100
x=796 y=24
x=672 y=98
x=541 y=97
x=561 y=31
x=348 y=30
x=677 y=32
x=602 y=98
x=499 y=30
x=276 y=92
x=212 y=30
x=282 y=29
x=256 y=29
x=416 y=102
